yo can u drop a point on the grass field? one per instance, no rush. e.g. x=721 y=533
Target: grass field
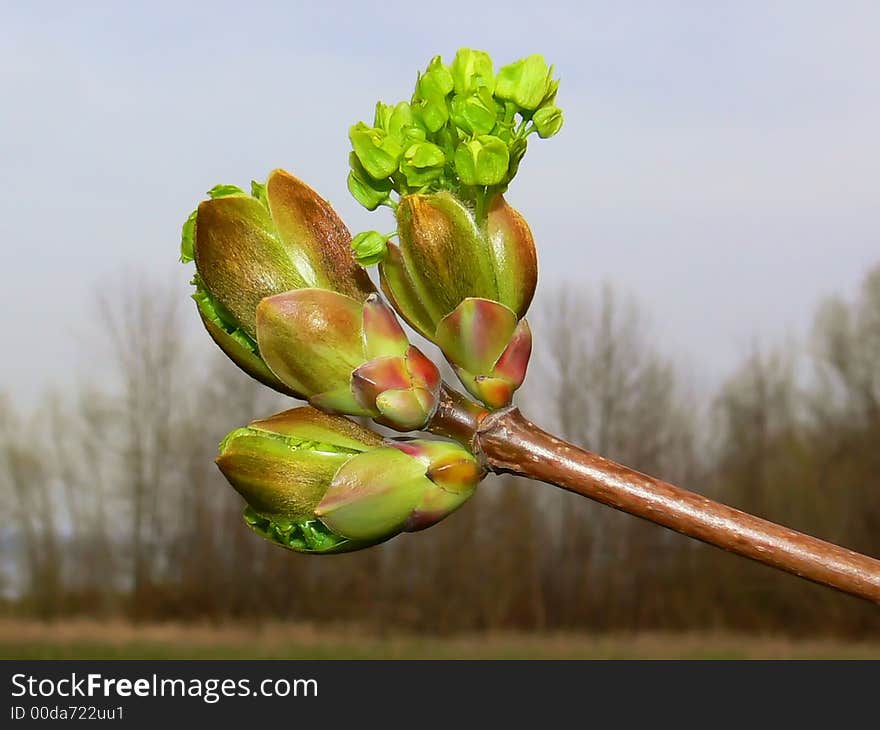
x=110 y=640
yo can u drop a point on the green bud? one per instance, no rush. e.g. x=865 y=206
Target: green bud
x=245 y=251
x=437 y=80
x=404 y=487
x=472 y=70
x=475 y=113
x=524 y=82
x=382 y=115
x=482 y=161
x=370 y=247
x=400 y=120
x=247 y=247
x=281 y=478
x=433 y=111
x=466 y=285
x=347 y=357
x=422 y=163
x=445 y=259
x=469 y=113
x=412 y=134
x=377 y=152
x=368 y=191
x=548 y=121
x=282 y=466
x=446 y=256
x=319 y=483
x=425 y=155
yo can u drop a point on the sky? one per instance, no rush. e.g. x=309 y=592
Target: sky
x=719 y=160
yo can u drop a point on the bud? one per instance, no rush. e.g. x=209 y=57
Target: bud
x=475 y=113
x=246 y=247
x=488 y=349
x=466 y=287
x=322 y=484
x=401 y=120
x=437 y=80
x=433 y=111
x=464 y=131
x=347 y=357
x=368 y=191
x=482 y=160
x=378 y=152
x=369 y=247
x=472 y=70
x=454 y=473
x=382 y=115
x=401 y=488
x=422 y=163
x=399 y=123
x=547 y=121
x=525 y=82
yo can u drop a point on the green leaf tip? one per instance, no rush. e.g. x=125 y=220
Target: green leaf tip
x=289 y=440
x=464 y=130
x=187 y=238
x=225 y=191
x=188 y=232
x=258 y=191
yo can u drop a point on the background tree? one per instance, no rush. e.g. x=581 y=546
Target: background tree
x=115 y=506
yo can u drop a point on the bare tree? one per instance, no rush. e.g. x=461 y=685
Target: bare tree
x=143 y=326
x=115 y=501
x=845 y=407
x=615 y=394
x=29 y=485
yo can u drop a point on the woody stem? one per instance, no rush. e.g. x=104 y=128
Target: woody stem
x=509 y=443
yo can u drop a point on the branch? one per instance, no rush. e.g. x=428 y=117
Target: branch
x=509 y=443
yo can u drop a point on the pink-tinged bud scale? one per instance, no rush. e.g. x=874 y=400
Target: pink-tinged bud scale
x=347 y=357
x=488 y=349
x=465 y=282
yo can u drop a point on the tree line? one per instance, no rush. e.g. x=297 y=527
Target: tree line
x=113 y=505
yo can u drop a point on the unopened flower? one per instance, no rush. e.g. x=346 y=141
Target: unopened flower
x=465 y=270
x=466 y=286
x=320 y=483
x=347 y=356
x=284 y=245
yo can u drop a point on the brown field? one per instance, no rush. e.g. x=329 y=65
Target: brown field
x=88 y=639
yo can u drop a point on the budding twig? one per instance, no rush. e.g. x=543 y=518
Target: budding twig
x=510 y=443
x=280 y=291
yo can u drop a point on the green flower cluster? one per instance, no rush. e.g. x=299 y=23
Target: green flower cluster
x=465 y=130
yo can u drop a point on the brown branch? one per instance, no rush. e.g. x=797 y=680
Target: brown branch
x=508 y=442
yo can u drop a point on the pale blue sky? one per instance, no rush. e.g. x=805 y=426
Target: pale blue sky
x=719 y=159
